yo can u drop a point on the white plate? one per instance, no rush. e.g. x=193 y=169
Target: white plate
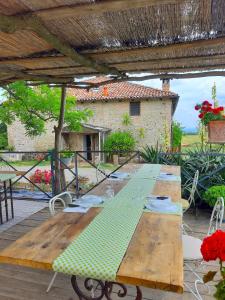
x=89 y=200
x=172 y=208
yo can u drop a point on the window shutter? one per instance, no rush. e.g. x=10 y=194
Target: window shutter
x=135 y=109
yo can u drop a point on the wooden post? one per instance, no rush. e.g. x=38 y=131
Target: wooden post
x=58 y=139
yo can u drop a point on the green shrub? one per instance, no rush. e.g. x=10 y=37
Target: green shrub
x=177 y=134
x=211 y=195
x=119 y=141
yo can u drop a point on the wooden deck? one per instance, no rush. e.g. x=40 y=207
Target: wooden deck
x=21 y=283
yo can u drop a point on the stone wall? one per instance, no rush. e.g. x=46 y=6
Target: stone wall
x=155 y=118
x=153 y=122
x=21 y=142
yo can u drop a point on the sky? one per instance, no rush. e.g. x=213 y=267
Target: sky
x=191 y=92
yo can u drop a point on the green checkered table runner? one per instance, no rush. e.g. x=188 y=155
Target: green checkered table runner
x=98 y=251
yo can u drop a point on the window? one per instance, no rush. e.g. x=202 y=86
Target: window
x=135 y=109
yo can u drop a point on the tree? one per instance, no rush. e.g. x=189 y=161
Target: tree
x=3 y=136
x=34 y=106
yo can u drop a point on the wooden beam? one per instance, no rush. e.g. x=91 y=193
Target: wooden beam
x=10 y=24
x=27 y=62
x=158 y=51
x=150 y=66
x=154 y=76
x=20 y=74
x=100 y=7
x=88 y=85
x=151 y=54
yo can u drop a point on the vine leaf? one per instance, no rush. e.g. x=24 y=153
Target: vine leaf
x=209 y=276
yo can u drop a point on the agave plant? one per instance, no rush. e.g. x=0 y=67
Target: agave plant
x=151 y=154
x=209 y=163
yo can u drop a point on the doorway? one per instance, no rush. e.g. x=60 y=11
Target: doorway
x=88 y=146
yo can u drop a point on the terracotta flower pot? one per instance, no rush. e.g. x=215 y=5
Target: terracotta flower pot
x=216 y=131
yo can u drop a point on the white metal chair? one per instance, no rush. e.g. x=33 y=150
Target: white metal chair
x=65 y=198
x=192 y=246
x=186 y=203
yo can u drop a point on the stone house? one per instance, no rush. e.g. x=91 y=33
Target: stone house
x=145 y=111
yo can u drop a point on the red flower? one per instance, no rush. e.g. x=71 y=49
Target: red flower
x=201 y=115
x=213 y=247
x=41 y=176
x=197 y=107
x=216 y=111
x=206 y=102
x=221 y=108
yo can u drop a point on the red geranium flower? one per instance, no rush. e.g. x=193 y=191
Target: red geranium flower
x=213 y=247
x=197 y=107
x=206 y=102
x=201 y=115
x=216 y=111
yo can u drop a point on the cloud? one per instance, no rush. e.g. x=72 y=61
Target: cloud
x=192 y=91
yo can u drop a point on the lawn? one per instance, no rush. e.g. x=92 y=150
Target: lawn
x=190 y=141
x=29 y=163
x=26 y=163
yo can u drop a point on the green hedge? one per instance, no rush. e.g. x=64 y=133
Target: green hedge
x=119 y=141
x=213 y=193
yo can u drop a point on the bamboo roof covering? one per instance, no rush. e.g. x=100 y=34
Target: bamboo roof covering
x=56 y=41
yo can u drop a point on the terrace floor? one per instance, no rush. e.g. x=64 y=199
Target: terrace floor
x=20 y=283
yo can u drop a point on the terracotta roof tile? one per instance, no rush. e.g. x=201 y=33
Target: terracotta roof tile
x=119 y=91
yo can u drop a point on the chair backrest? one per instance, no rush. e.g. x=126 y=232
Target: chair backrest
x=216 y=216
x=65 y=198
x=191 y=198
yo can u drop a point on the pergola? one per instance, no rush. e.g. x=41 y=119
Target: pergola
x=56 y=41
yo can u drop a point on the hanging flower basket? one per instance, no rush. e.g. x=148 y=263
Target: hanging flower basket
x=214 y=119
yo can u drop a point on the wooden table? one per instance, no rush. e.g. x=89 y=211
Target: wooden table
x=154 y=256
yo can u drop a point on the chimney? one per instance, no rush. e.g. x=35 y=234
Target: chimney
x=165 y=85
x=105 y=91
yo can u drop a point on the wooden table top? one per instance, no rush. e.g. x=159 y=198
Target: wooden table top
x=154 y=256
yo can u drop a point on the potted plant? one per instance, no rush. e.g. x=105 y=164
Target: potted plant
x=214 y=119
x=66 y=157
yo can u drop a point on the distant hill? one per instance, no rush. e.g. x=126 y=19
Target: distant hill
x=190 y=130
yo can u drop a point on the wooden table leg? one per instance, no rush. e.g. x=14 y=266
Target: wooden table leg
x=103 y=289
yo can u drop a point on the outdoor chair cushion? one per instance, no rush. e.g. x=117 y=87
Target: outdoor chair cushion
x=191 y=247
x=185 y=204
